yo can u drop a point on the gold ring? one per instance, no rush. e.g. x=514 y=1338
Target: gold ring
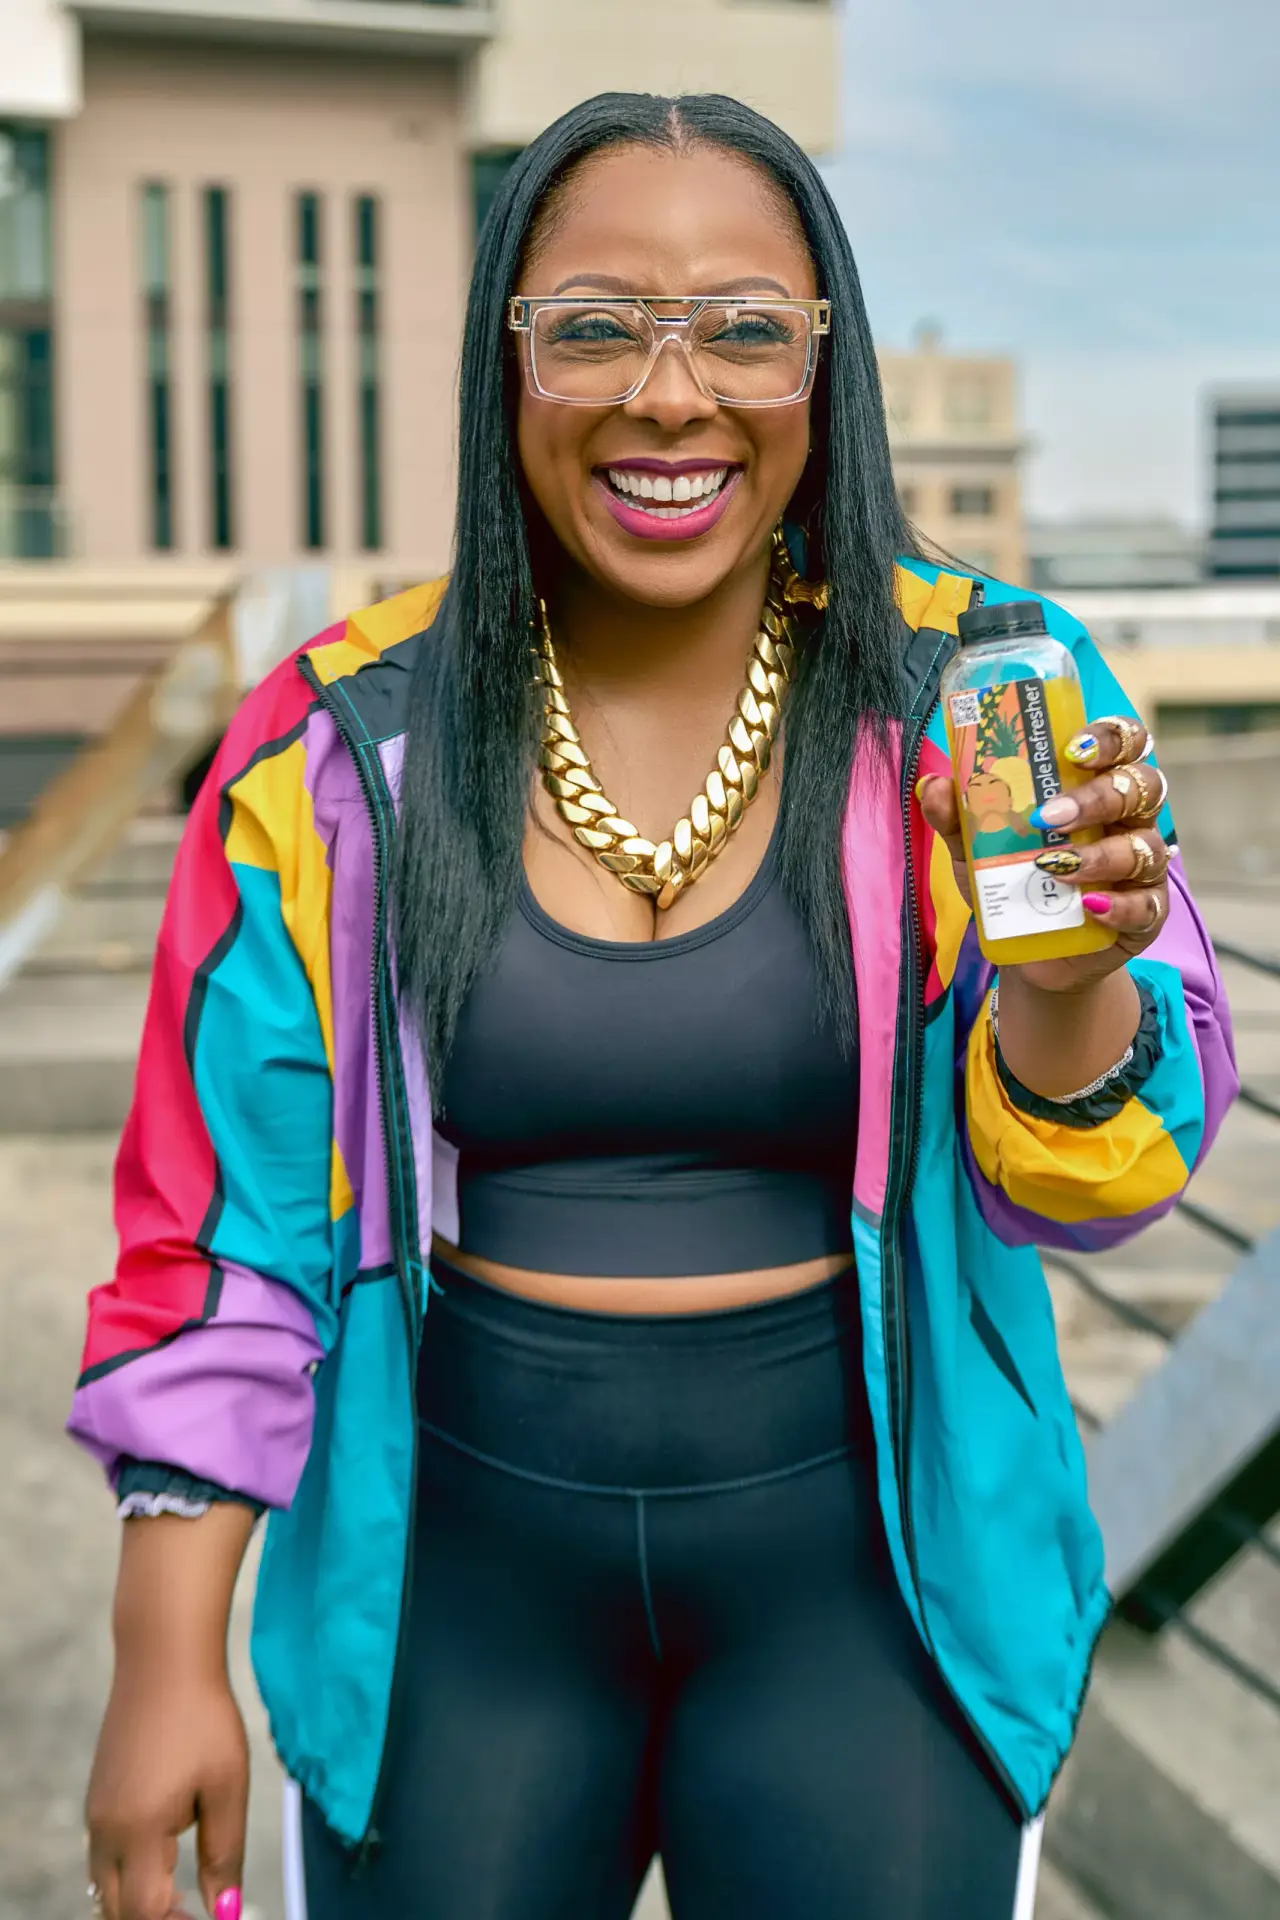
x=1157 y=913
x=1145 y=865
x=1135 y=740
x=1130 y=789
x=1152 y=809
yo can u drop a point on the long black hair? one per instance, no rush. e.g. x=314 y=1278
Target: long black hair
x=471 y=739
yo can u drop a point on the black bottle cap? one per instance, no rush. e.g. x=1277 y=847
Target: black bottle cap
x=1005 y=620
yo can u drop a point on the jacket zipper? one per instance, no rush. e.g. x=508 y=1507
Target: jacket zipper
x=892 y=1295
x=392 y=1101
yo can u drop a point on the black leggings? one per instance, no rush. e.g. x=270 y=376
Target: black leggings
x=653 y=1612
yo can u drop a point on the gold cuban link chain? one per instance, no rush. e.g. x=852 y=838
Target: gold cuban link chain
x=663 y=871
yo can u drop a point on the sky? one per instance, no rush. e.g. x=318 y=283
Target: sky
x=1090 y=185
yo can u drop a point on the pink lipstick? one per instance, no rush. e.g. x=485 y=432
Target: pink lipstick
x=668 y=500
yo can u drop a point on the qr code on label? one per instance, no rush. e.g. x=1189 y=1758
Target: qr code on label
x=964 y=709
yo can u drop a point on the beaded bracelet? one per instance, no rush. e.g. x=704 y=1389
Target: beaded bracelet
x=1082 y=1093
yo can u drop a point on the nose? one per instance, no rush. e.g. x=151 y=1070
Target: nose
x=672 y=394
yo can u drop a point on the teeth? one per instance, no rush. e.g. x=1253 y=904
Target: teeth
x=676 y=497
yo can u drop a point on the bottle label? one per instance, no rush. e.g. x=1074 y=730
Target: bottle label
x=1006 y=765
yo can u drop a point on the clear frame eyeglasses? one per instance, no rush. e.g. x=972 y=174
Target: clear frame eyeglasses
x=743 y=351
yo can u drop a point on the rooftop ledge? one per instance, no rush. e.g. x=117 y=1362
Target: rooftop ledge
x=400 y=26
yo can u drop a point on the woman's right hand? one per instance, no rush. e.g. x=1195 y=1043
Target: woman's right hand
x=172 y=1752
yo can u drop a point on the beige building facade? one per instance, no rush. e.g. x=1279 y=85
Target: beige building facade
x=336 y=434
x=780 y=56
x=957 y=447
x=235 y=237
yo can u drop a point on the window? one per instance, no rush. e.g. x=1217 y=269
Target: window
x=30 y=525
x=157 y=295
x=1179 y=721
x=973 y=502
x=311 y=369
x=968 y=402
x=369 y=396
x=218 y=363
x=488 y=171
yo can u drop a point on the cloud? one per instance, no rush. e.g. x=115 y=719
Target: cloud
x=1104 y=175
x=1094 y=188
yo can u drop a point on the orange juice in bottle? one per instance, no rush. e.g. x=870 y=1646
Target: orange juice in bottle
x=1011 y=701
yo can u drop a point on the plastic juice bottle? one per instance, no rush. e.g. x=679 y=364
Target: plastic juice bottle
x=1011 y=701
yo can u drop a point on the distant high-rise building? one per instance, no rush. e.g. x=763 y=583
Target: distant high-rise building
x=1245 y=539
x=957 y=448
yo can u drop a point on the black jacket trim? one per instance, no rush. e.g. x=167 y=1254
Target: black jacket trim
x=153 y=1477
x=1107 y=1102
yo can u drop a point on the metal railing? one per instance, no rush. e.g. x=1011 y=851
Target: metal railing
x=80 y=815
x=1222 y=1528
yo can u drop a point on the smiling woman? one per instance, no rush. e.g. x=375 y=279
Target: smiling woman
x=576 y=1180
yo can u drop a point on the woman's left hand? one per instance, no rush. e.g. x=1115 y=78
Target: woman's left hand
x=1123 y=875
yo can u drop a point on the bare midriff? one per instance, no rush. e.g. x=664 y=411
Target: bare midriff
x=692 y=1293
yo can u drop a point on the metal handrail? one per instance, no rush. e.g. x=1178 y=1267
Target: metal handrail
x=1238 y=1526
x=78 y=818
x=1261 y=963
x=1135 y=1317
x=1213 y=1223
x=1250 y=1097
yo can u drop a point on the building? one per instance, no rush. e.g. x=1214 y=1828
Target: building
x=235 y=237
x=1112 y=551
x=957 y=448
x=779 y=55
x=1245 y=512
x=1195 y=660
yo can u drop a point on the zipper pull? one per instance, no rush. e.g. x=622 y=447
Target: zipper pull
x=424 y=1281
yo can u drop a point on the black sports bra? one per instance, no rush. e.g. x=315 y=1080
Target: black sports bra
x=666 y=1107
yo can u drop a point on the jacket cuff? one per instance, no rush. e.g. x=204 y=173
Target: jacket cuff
x=149 y=1487
x=1106 y=1101
x=231 y=1400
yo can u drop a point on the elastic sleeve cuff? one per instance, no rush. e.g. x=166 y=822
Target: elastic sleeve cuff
x=149 y=1487
x=1106 y=1102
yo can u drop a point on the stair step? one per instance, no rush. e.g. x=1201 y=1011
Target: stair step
x=144 y=857
x=68 y=1044
x=112 y=931
x=1166 y=1806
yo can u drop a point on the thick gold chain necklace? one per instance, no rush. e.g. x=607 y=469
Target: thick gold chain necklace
x=664 y=870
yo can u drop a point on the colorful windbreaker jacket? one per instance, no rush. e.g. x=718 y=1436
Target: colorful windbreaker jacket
x=278 y=1180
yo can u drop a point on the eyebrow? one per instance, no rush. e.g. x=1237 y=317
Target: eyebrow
x=600 y=282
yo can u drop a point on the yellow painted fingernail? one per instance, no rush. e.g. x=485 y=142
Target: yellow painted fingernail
x=921 y=784
x=1082 y=749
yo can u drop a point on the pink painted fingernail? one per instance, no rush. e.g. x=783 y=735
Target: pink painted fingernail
x=227 y=1905
x=1097 y=902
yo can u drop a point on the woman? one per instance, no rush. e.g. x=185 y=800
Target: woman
x=631 y=1489
x=1000 y=795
